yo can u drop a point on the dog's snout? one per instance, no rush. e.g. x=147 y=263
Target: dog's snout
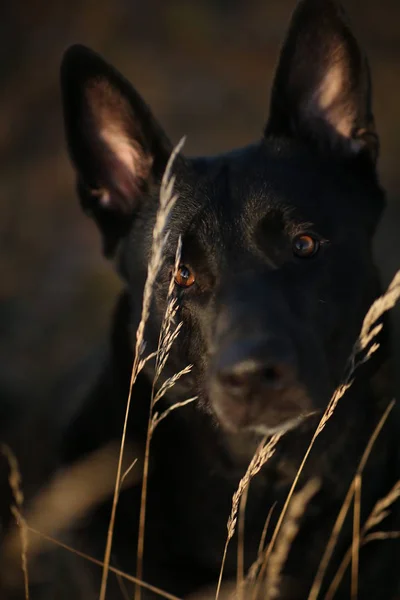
x=242 y=377
x=250 y=366
x=255 y=385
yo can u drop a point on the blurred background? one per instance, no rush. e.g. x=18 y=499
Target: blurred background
x=205 y=67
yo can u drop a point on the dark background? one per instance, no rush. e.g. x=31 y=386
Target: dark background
x=206 y=68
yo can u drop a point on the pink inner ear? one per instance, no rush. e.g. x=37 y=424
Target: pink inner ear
x=122 y=148
x=332 y=100
x=122 y=162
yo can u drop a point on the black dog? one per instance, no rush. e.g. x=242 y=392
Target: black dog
x=276 y=276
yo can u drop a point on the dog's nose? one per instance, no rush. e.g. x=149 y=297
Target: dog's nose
x=256 y=365
x=243 y=376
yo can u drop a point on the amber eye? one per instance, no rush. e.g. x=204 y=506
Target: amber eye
x=305 y=245
x=184 y=277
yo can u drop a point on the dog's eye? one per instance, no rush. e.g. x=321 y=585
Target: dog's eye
x=305 y=245
x=184 y=277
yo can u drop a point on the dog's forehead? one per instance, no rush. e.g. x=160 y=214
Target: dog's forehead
x=239 y=189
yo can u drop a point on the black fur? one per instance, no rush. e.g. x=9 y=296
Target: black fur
x=268 y=332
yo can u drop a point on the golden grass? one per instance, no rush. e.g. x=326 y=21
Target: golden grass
x=88 y=482
x=345 y=507
x=271 y=561
x=288 y=532
x=118 y=572
x=378 y=514
x=240 y=545
x=261 y=456
x=255 y=567
x=355 y=547
x=160 y=237
x=359 y=355
x=169 y=332
x=69 y=496
x=16 y=510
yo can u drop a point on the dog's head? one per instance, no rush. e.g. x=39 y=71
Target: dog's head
x=276 y=272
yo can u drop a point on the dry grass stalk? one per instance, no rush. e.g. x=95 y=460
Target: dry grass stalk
x=170 y=382
x=380 y=510
x=261 y=545
x=261 y=456
x=154 y=420
x=355 y=554
x=368 y=331
x=315 y=589
x=123 y=588
x=286 y=537
x=69 y=495
x=16 y=510
x=127 y=472
x=158 y=418
x=381 y=535
x=168 y=334
x=145 y=360
x=117 y=572
x=240 y=547
x=337 y=395
x=160 y=237
x=378 y=514
x=167 y=337
x=228 y=592
x=253 y=571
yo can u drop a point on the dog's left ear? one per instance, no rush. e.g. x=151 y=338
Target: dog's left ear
x=322 y=93
x=116 y=145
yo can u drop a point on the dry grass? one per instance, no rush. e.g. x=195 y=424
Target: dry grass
x=124 y=576
x=378 y=514
x=261 y=456
x=81 y=482
x=68 y=497
x=380 y=510
x=240 y=575
x=72 y=493
x=345 y=508
x=16 y=510
x=160 y=237
x=169 y=332
x=230 y=590
x=362 y=351
x=159 y=241
x=255 y=567
x=355 y=547
x=271 y=561
x=288 y=532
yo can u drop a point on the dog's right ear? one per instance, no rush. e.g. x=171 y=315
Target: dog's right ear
x=322 y=88
x=115 y=144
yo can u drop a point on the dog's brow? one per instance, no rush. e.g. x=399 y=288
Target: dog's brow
x=294 y=228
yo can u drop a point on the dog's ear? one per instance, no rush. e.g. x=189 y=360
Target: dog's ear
x=322 y=91
x=115 y=144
